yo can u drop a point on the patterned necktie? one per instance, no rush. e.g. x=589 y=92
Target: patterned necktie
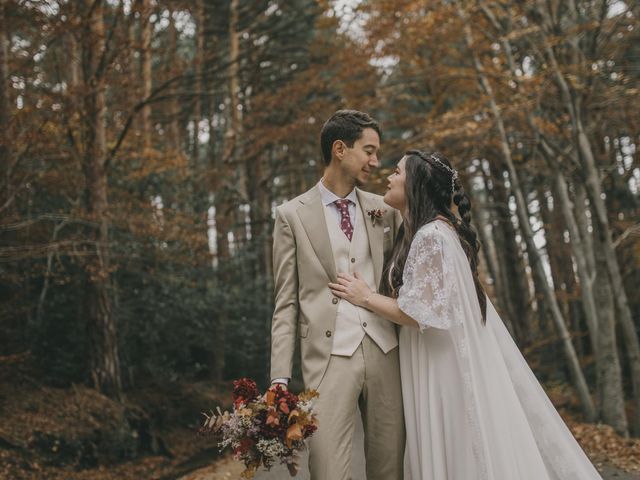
x=345 y=219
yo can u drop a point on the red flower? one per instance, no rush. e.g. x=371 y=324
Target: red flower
x=245 y=390
x=308 y=430
x=285 y=400
x=375 y=215
x=246 y=444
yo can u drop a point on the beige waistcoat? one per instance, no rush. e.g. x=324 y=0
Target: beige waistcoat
x=353 y=323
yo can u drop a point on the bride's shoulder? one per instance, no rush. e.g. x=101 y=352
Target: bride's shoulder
x=438 y=234
x=431 y=233
x=435 y=228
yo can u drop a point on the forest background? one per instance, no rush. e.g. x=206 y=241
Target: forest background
x=144 y=145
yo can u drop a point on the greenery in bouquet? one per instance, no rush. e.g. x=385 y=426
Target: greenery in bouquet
x=264 y=429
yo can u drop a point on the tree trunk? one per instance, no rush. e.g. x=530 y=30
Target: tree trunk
x=233 y=126
x=222 y=226
x=197 y=81
x=105 y=366
x=535 y=257
x=132 y=64
x=558 y=253
x=513 y=280
x=540 y=283
x=5 y=106
x=482 y=216
x=580 y=209
x=610 y=391
x=146 y=29
x=174 y=107
x=260 y=212
x=578 y=248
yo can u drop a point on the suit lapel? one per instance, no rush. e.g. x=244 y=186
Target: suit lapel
x=311 y=214
x=374 y=232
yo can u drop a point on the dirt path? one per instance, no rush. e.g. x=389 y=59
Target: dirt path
x=224 y=469
x=229 y=469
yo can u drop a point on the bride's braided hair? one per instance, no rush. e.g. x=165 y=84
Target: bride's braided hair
x=430 y=187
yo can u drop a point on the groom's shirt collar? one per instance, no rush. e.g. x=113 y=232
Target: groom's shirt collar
x=328 y=197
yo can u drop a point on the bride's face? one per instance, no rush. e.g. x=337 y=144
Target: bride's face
x=395 y=196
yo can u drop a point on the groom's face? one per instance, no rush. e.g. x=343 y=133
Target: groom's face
x=360 y=160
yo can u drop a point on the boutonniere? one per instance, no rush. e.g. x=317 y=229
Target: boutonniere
x=375 y=215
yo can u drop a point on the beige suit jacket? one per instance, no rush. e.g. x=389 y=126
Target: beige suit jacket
x=303 y=265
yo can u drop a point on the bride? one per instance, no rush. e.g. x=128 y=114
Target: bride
x=473 y=408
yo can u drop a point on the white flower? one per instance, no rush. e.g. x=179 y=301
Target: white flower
x=271 y=448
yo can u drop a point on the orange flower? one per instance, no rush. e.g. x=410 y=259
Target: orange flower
x=294 y=432
x=294 y=414
x=308 y=395
x=270 y=398
x=284 y=408
x=273 y=418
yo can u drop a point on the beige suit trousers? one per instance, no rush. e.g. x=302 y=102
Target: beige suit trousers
x=369 y=379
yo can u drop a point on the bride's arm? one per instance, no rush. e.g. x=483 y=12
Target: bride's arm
x=355 y=290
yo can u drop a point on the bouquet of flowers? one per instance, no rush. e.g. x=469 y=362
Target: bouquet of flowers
x=263 y=429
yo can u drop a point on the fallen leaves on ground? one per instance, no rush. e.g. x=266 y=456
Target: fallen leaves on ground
x=602 y=443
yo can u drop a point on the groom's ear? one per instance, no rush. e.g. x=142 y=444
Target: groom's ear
x=337 y=149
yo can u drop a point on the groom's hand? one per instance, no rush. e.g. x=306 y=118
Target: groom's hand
x=282 y=385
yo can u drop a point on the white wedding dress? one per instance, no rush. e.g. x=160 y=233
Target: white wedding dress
x=473 y=408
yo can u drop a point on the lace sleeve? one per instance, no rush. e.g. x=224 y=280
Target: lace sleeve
x=428 y=293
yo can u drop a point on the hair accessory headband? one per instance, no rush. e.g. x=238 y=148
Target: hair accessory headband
x=454 y=173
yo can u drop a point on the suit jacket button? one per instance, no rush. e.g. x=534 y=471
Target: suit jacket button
x=364 y=324
x=353 y=260
x=334 y=300
x=328 y=333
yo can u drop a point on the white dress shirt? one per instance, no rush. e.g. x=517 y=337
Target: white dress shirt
x=328 y=199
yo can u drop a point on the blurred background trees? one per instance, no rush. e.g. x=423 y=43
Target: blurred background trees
x=144 y=145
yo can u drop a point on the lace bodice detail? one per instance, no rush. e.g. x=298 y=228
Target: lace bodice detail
x=428 y=293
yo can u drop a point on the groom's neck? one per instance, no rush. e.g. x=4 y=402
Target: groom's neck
x=337 y=183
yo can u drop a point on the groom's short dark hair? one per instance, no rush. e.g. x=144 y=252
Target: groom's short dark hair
x=345 y=125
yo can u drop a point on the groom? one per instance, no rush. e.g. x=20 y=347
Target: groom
x=349 y=355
